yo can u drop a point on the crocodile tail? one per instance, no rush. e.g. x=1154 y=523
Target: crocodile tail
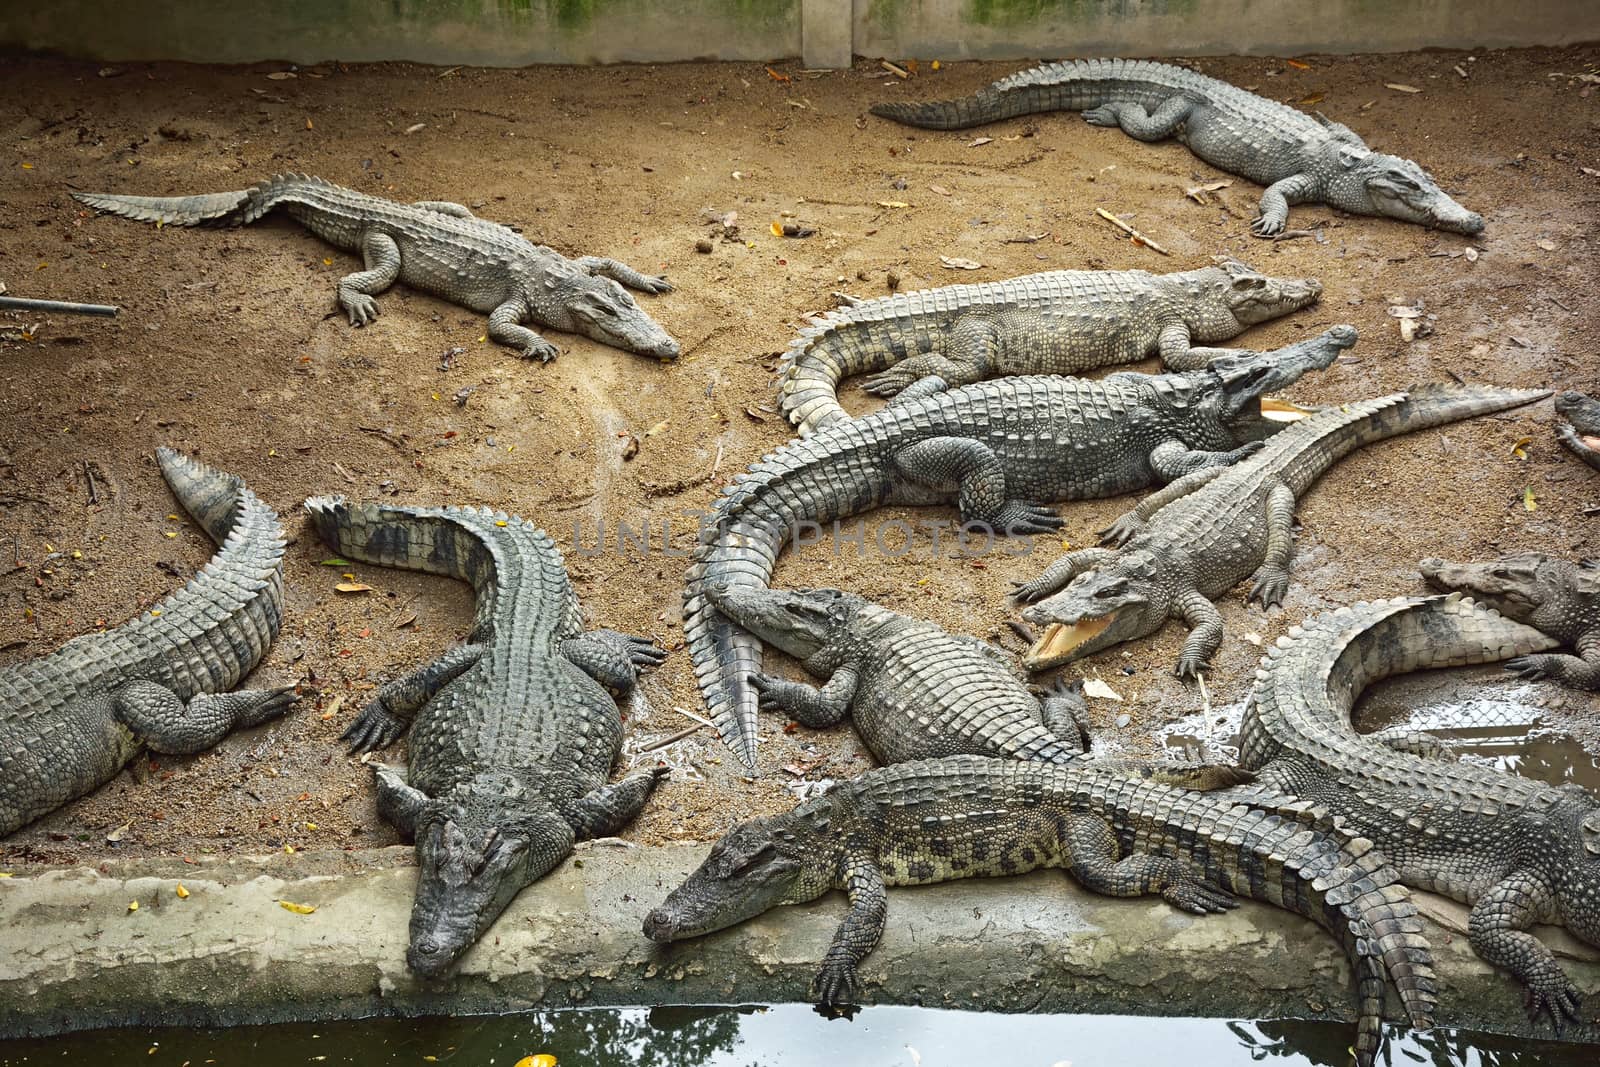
x=1073 y=85
x=211 y=497
x=830 y=348
x=985 y=105
x=207 y=209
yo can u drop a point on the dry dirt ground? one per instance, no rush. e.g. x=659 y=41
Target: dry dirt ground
x=228 y=345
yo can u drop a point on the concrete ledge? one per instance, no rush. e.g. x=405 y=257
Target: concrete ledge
x=73 y=956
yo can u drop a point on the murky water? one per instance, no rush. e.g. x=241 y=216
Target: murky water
x=782 y=1036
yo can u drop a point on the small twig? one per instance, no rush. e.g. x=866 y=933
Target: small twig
x=899 y=72
x=1130 y=231
x=1205 y=716
x=346 y=474
x=664 y=742
x=1028 y=240
x=716 y=464
x=696 y=718
x=385 y=434
x=1291 y=235
x=94 y=494
x=1458 y=379
x=449 y=72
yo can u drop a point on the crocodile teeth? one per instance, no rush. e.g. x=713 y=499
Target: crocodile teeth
x=1060 y=640
x=1274 y=409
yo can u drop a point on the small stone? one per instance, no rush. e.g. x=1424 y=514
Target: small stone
x=703 y=246
x=1124 y=719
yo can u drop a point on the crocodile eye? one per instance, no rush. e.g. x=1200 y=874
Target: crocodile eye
x=744 y=863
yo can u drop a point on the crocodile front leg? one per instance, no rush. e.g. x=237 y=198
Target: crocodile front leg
x=1296 y=189
x=1174 y=459
x=1205 y=633
x=612 y=658
x=382 y=257
x=973 y=470
x=970 y=354
x=1272 y=577
x=505 y=327
x=808 y=705
x=397 y=702
x=1062 y=570
x=164 y=723
x=1128 y=524
x=1062 y=709
x=621 y=272
x=399 y=803
x=1091 y=852
x=1178 y=351
x=1498 y=927
x=837 y=985
x=1140 y=124
x=923 y=374
x=445 y=207
x=604 y=811
x=1574 y=672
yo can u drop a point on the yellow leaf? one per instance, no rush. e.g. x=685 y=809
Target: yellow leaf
x=172 y=518
x=1066 y=546
x=156 y=612
x=1297 y=65
x=327 y=262
x=288 y=850
x=298 y=909
x=482 y=338
x=133 y=905
x=168 y=533
x=1527 y=499
x=27 y=166
x=5 y=874
x=183 y=894
x=308 y=124
x=934 y=64
x=777 y=230
x=543 y=1059
x=353 y=587
x=893 y=203
x=1520 y=449
x=311 y=826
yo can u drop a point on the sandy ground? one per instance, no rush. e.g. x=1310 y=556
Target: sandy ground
x=229 y=346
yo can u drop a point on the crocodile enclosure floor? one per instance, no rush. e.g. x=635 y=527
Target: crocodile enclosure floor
x=228 y=345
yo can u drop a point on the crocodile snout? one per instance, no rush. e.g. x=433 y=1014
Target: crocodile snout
x=659 y=925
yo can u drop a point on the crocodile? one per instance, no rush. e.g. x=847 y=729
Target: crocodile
x=1556 y=596
x=1579 y=429
x=511 y=735
x=1300 y=158
x=1518 y=851
x=71 y=720
x=914 y=691
x=972 y=816
x=439 y=248
x=1000 y=449
x=1058 y=322
x=1198 y=537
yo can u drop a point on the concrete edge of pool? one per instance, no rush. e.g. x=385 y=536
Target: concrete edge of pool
x=75 y=955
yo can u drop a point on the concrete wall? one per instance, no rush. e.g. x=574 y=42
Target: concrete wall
x=519 y=32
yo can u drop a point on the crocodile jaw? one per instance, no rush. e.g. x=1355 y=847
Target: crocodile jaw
x=1062 y=642
x=1276 y=409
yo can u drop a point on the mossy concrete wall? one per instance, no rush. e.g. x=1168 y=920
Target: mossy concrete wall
x=74 y=955
x=823 y=32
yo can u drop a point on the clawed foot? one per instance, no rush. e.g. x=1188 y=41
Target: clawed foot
x=373 y=729
x=1016 y=519
x=1265 y=226
x=654 y=284
x=644 y=652
x=1554 y=995
x=541 y=350
x=1190 y=666
x=1269 y=587
x=1104 y=115
x=1030 y=591
x=361 y=308
x=888 y=383
x=835 y=989
x=1198 y=898
x=1125 y=529
x=1249 y=448
x=1532 y=668
x=771 y=693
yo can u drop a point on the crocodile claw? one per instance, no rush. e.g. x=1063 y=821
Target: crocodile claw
x=376 y=727
x=835 y=989
x=361 y=308
x=541 y=350
x=1270 y=587
x=1104 y=115
x=1554 y=996
x=1124 y=529
x=644 y=652
x=885 y=384
x=1016 y=519
x=1263 y=226
x=1198 y=898
x=1531 y=668
x=1190 y=666
x=656 y=284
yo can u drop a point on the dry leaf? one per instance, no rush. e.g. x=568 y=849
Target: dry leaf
x=775 y=76
x=117 y=834
x=183 y=894
x=280 y=75
x=1094 y=687
x=941 y=190
x=542 y=1059
x=1520 y=449
x=1297 y=65
x=298 y=909
x=957 y=263
x=1401 y=87
x=1528 y=502
x=133 y=905
x=976 y=141
x=1546 y=244
x=1314 y=98
x=893 y=203
x=1197 y=193
x=353 y=587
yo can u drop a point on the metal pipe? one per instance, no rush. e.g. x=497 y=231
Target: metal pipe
x=17 y=303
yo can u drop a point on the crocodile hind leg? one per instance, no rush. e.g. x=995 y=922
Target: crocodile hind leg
x=1090 y=850
x=1498 y=928
x=621 y=272
x=397 y=702
x=164 y=723
x=1416 y=742
x=382 y=257
x=1205 y=633
x=399 y=803
x=604 y=811
x=505 y=327
x=1272 y=577
x=1140 y=124
x=973 y=471
x=1062 y=709
x=806 y=704
x=932 y=368
x=1275 y=202
x=445 y=207
x=837 y=986
x=970 y=354
x=612 y=658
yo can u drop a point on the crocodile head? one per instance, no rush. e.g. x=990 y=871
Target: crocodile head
x=1244 y=297
x=478 y=846
x=802 y=622
x=600 y=308
x=1373 y=183
x=1553 y=595
x=1122 y=601
x=1248 y=378
x=1582 y=430
x=777 y=859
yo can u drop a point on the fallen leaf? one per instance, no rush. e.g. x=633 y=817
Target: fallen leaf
x=117 y=834
x=977 y=141
x=1520 y=449
x=133 y=905
x=542 y=1059
x=280 y=75
x=335 y=562
x=957 y=263
x=353 y=587
x=1314 y=98
x=183 y=894
x=657 y=428
x=1094 y=687
x=1401 y=87
x=1197 y=193
x=893 y=203
x=1546 y=244
x=775 y=76
x=1297 y=65
x=1528 y=502
x=298 y=909
x=941 y=190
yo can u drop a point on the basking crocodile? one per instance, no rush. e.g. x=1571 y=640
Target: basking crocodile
x=71 y=720
x=1580 y=426
x=969 y=816
x=1300 y=158
x=1559 y=598
x=1187 y=544
x=1060 y=322
x=512 y=735
x=439 y=248
x=1001 y=449
x=1519 y=851
x=915 y=691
